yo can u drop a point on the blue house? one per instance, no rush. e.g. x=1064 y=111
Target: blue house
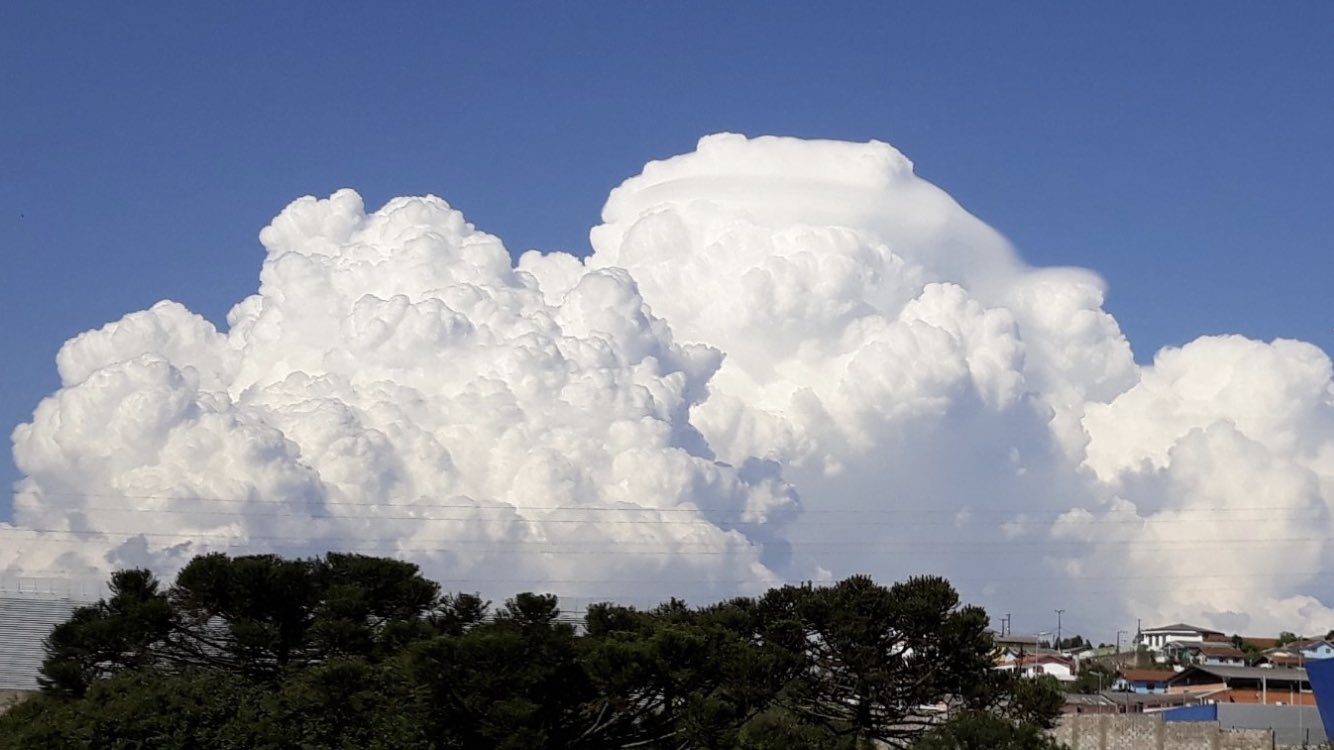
x=1298 y=652
x=1143 y=681
x=1315 y=648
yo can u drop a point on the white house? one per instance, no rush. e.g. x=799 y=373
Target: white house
x=1154 y=639
x=1206 y=653
x=1059 y=667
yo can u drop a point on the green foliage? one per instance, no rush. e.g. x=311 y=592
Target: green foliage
x=347 y=651
x=458 y=613
x=117 y=634
x=1249 y=649
x=872 y=658
x=974 y=730
x=779 y=730
x=342 y=704
x=136 y=709
x=1031 y=702
x=1093 y=678
x=510 y=683
x=266 y=606
x=1072 y=643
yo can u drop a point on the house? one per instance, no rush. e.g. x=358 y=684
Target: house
x=1090 y=652
x=1142 y=681
x=1012 y=645
x=1311 y=648
x=1060 y=667
x=1138 y=703
x=1297 y=653
x=1208 y=652
x=1278 y=658
x=1154 y=639
x=1271 y=686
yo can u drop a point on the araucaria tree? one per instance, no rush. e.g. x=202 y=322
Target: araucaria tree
x=877 y=663
x=348 y=651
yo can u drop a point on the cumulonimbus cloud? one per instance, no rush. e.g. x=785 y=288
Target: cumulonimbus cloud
x=783 y=360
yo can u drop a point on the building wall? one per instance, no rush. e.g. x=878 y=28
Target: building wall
x=1059 y=671
x=25 y=621
x=1202 y=687
x=9 y=697
x=1322 y=651
x=1204 y=712
x=1141 y=687
x=1139 y=732
x=1155 y=641
x=1292 y=725
x=1272 y=696
x=1223 y=661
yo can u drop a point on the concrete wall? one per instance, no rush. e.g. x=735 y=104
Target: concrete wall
x=1292 y=725
x=1141 y=732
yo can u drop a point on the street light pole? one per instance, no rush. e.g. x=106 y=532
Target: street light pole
x=1058 y=630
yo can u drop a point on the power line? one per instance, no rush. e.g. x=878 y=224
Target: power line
x=1136 y=521
x=581 y=546
x=640 y=583
x=66 y=575
x=390 y=502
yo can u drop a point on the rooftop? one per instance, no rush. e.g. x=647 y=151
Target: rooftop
x=1268 y=674
x=1180 y=627
x=1147 y=675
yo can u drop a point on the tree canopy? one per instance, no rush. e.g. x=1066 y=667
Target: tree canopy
x=349 y=651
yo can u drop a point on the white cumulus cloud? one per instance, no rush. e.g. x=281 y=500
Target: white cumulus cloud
x=783 y=360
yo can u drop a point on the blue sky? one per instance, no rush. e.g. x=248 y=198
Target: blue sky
x=1181 y=152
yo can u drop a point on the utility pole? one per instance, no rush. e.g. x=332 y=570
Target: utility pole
x=1058 y=630
x=1005 y=625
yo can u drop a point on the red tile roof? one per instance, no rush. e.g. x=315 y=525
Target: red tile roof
x=1261 y=643
x=1146 y=675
